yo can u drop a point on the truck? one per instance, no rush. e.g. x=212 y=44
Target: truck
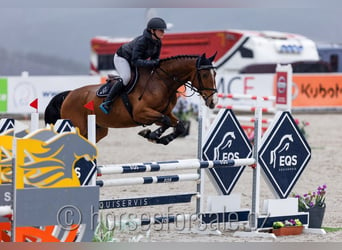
x=235 y=49
x=331 y=53
x=246 y=61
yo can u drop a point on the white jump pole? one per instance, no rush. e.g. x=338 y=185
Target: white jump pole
x=92 y=138
x=171 y=166
x=256 y=170
x=200 y=184
x=91 y=128
x=34 y=124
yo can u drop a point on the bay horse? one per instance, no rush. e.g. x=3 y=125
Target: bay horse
x=152 y=99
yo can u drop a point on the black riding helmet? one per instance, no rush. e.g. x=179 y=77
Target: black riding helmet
x=156 y=23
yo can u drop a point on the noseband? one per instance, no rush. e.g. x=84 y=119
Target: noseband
x=200 y=82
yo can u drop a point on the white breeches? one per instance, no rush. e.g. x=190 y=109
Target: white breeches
x=123 y=68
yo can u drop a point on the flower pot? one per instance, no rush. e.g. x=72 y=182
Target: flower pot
x=316 y=215
x=292 y=230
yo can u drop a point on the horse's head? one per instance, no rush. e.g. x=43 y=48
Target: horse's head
x=205 y=80
x=199 y=75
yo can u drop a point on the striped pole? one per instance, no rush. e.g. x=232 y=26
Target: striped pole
x=147 y=180
x=171 y=165
x=250 y=97
x=252 y=119
x=245 y=108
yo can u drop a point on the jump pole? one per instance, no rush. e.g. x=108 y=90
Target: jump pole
x=91 y=129
x=200 y=184
x=256 y=170
x=34 y=125
x=165 y=166
x=170 y=166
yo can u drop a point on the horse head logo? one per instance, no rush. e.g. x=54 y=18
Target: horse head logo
x=283 y=145
x=225 y=143
x=51 y=163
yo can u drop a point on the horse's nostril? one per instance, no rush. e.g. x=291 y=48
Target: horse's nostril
x=210 y=104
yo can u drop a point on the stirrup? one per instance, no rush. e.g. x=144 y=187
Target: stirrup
x=105 y=109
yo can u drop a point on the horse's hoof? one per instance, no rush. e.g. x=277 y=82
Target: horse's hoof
x=163 y=141
x=153 y=136
x=145 y=133
x=153 y=141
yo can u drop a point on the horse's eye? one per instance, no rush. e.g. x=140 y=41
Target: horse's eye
x=205 y=75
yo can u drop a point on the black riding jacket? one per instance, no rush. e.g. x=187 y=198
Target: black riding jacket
x=140 y=49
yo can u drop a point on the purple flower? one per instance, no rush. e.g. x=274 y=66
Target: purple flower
x=311 y=199
x=292 y=221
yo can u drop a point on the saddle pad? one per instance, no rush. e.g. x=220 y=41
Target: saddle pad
x=105 y=88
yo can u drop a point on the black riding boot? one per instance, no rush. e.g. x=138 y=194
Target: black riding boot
x=114 y=91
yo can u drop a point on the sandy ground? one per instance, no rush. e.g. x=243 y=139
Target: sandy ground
x=125 y=146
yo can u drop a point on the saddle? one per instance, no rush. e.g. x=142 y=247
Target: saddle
x=112 y=79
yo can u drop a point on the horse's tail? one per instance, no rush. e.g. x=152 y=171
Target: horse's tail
x=53 y=109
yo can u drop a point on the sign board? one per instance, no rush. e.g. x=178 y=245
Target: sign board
x=284 y=154
x=283 y=87
x=226 y=140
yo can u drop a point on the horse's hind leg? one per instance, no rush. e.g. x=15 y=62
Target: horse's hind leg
x=101 y=132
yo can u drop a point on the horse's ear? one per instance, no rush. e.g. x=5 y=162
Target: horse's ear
x=203 y=56
x=212 y=58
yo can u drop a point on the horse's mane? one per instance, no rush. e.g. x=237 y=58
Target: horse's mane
x=179 y=57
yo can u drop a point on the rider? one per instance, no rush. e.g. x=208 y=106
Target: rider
x=136 y=54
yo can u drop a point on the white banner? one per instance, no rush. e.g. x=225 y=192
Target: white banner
x=23 y=90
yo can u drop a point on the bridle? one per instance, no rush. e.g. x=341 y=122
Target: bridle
x=200 y=82
x=188 y=84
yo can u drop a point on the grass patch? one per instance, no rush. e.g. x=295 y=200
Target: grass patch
x=332 y=229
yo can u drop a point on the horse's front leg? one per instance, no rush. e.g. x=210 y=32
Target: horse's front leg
x=179 y=130
x=167 y=121
x=154 y=135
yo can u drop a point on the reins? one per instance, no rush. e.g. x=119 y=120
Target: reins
x=188 y=84
x=147 y=82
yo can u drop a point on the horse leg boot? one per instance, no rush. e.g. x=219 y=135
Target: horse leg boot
x=170 y=137
x=114 y=91
x=153 y=136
